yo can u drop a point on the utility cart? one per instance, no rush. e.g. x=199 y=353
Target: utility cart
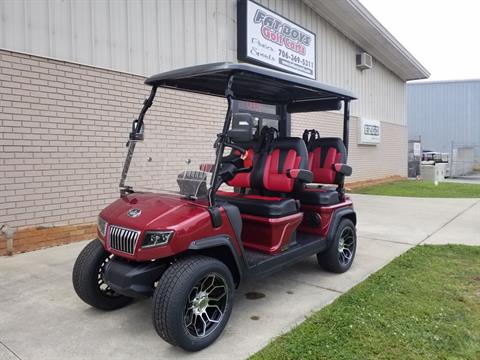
x=267 y=201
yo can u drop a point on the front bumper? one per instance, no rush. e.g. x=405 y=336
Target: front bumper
x=133 y=279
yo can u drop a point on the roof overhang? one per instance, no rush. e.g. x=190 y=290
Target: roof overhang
x=352 y=19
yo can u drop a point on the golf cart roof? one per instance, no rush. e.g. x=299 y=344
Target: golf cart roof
x=252 y=83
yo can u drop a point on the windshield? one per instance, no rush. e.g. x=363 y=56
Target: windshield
x=155 y=169
x=177 y=153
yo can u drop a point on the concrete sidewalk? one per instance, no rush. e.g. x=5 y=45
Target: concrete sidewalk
x=42 y=318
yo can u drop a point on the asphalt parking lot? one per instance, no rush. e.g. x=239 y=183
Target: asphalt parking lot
x=42 y=318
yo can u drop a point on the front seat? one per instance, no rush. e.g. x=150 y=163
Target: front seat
x=275 y=174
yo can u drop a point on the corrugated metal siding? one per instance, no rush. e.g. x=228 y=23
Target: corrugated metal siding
x=147 y=37
x=443 y=112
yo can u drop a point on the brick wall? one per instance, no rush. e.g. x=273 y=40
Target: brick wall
x=63 y=133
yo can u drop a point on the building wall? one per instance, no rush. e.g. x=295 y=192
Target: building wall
x=442 y=112
x=148 y=37
x=64 y=128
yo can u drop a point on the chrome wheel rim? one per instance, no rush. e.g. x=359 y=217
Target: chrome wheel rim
x=206 y=305
x=346 y=246
x=102 y=285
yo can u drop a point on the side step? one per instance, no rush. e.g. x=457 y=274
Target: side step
x=262 y=264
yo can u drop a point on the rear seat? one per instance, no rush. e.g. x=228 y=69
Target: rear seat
x=272 y=177
x=324 y=153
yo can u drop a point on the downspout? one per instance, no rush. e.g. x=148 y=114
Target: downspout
x=8 y=232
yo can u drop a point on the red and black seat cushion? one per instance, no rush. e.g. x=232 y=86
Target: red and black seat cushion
x=259 y=205
x=243 y=180
x=270 y=175
x=286 y=154
x=324 y=154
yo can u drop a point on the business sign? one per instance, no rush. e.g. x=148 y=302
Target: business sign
x=417 y=149
x=369 y=132
x=267 y=38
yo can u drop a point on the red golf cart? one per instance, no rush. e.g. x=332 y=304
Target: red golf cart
x=267 y=201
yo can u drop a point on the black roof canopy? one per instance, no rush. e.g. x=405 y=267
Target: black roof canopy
x=251 y=83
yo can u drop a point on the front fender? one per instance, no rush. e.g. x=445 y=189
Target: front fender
x=222 y=248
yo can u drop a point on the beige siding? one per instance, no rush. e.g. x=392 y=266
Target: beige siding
x=64 y=127
x=147 y=37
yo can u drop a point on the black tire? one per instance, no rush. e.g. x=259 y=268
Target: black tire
x=334 y=260
x=176 y=294
x=88 y=281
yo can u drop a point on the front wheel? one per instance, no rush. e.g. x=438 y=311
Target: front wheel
x=339 y=256
x=192 y=302
x=88 y=280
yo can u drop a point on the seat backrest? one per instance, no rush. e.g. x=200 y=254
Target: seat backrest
x=325 y=152
x=285 y=154
x=250 y=158
x=254 y=158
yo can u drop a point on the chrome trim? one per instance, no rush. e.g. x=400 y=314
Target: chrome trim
x=123 y=239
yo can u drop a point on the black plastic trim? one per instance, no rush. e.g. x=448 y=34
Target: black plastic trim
x=288 y=257
x=216 y=216
x=218 y=241
x=133 y=279
x=338 y=215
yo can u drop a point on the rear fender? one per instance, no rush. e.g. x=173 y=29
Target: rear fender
x=337 y=217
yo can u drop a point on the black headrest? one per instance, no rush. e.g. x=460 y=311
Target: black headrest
x=242 y=120
x=242 y=128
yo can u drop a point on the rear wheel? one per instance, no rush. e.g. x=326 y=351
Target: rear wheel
x=88 y=279
x=338 y=258
x=192 y=302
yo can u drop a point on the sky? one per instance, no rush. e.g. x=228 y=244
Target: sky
x=444 y=35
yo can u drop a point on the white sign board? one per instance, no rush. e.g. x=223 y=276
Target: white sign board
x=268 y=38
x=369 y=132
x=417 y=149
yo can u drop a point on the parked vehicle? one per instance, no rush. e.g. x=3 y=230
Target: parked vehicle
x=285 y=202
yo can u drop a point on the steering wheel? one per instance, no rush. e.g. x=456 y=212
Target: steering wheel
x=233 y=164
x=236 y=147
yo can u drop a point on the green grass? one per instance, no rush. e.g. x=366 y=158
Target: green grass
x=423 y=305
x=423 y=189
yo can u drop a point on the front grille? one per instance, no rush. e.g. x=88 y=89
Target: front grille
x=123 y=240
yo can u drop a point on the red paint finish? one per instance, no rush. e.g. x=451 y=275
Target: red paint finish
x=190 y=221
x=325 y=212
x=270 y=235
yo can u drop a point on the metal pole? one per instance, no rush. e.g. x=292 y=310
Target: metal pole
x=451 y=160
x=346 y=122
x=131 y=142
x=220 y=143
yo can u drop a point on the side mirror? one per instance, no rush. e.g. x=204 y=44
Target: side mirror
x=134 y=135
x=242 y=128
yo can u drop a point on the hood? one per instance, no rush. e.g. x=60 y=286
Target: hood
x=148 y=211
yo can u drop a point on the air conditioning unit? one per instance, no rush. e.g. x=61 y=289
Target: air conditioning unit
x=364 y=61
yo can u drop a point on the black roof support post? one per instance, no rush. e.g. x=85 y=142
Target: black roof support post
x=346 y=130
x=285 y=126
x=220 y=144
x=346 y=123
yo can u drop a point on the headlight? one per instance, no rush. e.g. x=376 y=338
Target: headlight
x=156 y=238
x=102 y=226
